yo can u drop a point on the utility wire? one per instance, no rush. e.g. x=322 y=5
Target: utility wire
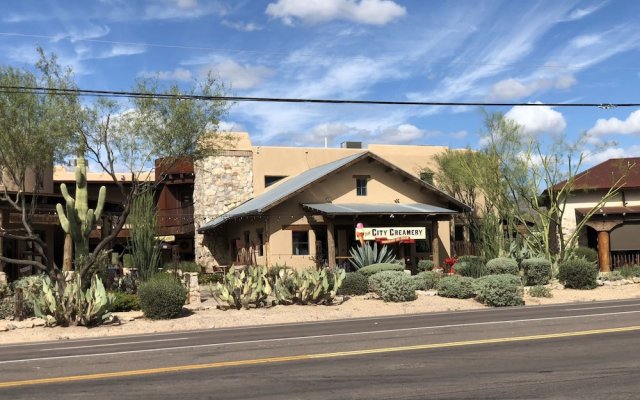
x=113 y=93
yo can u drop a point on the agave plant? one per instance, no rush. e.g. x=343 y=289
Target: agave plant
x=361 y=256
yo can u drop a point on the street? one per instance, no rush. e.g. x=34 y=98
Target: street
x=585 y=350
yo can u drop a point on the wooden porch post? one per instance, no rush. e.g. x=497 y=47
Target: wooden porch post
x=331 y=245
x=4 y=221
x=604 y=248
x=435 y=243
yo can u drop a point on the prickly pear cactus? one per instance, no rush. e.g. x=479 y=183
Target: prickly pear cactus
x=77 y=218
x=310 y=286
x=244 y=288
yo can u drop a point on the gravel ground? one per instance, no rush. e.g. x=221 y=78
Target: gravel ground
x=207 y=316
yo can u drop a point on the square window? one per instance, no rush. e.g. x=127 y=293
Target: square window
x=300 y=241
x=361 y=186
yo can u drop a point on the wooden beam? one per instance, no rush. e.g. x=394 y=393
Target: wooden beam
x=604 y=254
x=331 y=244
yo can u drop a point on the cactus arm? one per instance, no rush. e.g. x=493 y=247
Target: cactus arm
x=101 y=200
x=64 y=221
x=65 y=192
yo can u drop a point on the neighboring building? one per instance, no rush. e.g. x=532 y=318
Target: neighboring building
x=296 y=206
x=615 y=227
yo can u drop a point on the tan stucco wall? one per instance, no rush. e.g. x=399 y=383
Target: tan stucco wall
x=590 y=199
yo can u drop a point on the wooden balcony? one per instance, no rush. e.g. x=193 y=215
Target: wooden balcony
x=621 y=258
x=176 y=221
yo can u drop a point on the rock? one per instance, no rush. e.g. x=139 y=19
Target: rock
x=636 y=279
x=39 y=322
x=427 y=292
x=599 y=282
x=11 y=327
x=626 y=282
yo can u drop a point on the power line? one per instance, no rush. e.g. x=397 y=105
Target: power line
x=114 y=93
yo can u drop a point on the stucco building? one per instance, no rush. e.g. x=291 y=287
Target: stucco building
x=299 y=206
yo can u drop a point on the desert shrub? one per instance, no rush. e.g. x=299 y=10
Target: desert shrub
x=394 y=286
x=378 y=277
x=578 y=273
x=537 y=271
x=188 y=266
x=127 y=284
x=612 y=276
x=540 y=291
x=471 y=266
x=629 y=271
x=354 y=284
x=7 y=307
x=456 y=286
x=362 y=256
x=125 y=302
x=502 y=265
x=207 y=279
x=425 y=265
x=427 y=280
x=586 y=253
x=499 y=290
x=375 y=268
x=162 y=297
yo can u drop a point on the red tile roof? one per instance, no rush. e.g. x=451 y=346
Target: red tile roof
x=606 y=174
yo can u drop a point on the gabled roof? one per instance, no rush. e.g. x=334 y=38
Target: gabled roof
x=293 y=185
x=380 y=208
x=606 y=174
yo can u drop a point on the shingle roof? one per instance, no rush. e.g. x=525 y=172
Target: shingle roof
x=606 y=174
x=381 y=208
x=288 y=187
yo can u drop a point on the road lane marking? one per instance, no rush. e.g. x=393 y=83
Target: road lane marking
x=329 y=335
x=303 y=357
x=114 y=344
x=332 y=321
x=598 y=308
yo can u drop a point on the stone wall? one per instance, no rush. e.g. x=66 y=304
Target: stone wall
x=222 y=182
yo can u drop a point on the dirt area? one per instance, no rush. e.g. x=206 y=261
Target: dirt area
x=206 y=316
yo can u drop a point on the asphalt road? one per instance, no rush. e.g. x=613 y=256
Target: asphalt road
x=587 y=351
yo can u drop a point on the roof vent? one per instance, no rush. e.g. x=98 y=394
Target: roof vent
x=351 y=145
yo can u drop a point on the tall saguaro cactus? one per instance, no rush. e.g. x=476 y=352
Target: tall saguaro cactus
x=79 y=218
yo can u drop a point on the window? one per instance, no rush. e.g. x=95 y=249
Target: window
x=271 y=179
x=300 y=241
x=361 y=186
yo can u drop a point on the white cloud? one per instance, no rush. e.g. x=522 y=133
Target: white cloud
x=78 y=33
x=231 y=126
x=630 y=126
x=592 y=158
x=372 y=12
x=509 y=89
x=585 y=40
x=404 y=133
x=241 y=26
x=239 y=76
x=579 y=13
x=181 y=9
x=536 y=120
x=119 y=50
x=178 y=74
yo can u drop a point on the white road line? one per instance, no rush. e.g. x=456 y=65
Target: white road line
x=316 y=337
x=114 y=344
x=362 y=319
x=597 y=308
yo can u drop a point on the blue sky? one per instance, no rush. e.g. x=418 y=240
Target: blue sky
x=462 y=50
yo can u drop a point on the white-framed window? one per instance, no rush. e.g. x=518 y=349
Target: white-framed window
x=361 y=185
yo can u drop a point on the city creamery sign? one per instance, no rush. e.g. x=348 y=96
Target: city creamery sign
x=392 y=234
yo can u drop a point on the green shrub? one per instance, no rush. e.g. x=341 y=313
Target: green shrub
x=456 y=286
x=427 y=280
x=162 y=297
x=187 y=266
x=629 y=271
x=354 y=284
x=537 y=271
x=612 y=276
x=425 y=265
x=7 y=307
x=502 y=265
x=586 y=253
x=471 y=266
x=207 y=279
x=499 y=290
x=540 y=291
x=375 y=268
x=378 y=277
x=125 y=302
x=578 y=273
x=394 y=286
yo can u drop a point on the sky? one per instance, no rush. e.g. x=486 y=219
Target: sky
x=553 y=51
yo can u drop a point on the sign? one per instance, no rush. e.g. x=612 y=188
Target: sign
x=392 y=234
x=168 y=238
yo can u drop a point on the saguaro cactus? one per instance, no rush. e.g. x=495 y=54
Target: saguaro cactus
x=79 y=218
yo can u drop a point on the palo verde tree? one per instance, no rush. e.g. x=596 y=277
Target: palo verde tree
x=168 y=125
x=505 y=178
x=36 y=130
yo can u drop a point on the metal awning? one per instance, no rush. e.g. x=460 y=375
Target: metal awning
x=615 y=210
x=379 y=208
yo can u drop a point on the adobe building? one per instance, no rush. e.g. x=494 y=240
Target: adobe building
x=614 y=228
x=293 y=206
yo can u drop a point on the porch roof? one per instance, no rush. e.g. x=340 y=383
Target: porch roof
x=617 y=210
x=380 y=208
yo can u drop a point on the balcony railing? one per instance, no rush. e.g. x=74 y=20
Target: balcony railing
x=461 y=248
x=621 y=258
x=176 y=221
